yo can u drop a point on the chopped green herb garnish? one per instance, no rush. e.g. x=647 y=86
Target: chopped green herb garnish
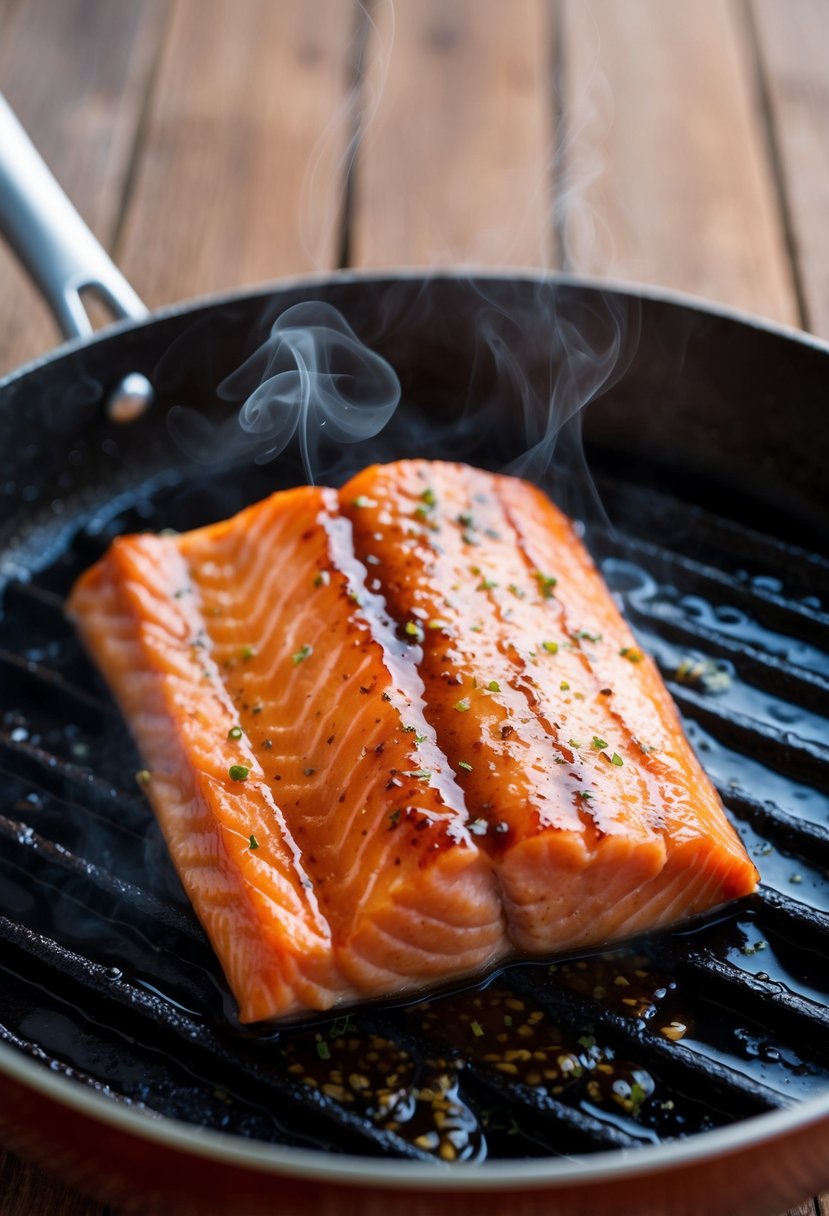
x=429 y=497
x=322 y=579
x=797 y=879
x=586 y=795
x=518 y=592
x=466 y=767
x=550 y=647
x=462 y=706
x=235 y=732
x=247 y=652
x=394 y=818
x=413 y=629
x=494 y=686
x=476 y=628
x=564 y=686
x=466 y=519
x=469 y=538
x=340 y=1027
x=574 y=742
x=143 y=776
x=476 y=1028
x=507 y=1019
x=599 y=744
x=323 y=1050
x=437 y=623
x=631 y=654
x=637 y=1097
x=238 y=772
x=586 y=1041
x=486 y=584
x=421 y=774
x=302 y=654
x=546 y=584
x=361 y=501
x=585 y=636
x=254 y=843
x=617 y=760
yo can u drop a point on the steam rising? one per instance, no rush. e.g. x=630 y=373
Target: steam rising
x=311 y=378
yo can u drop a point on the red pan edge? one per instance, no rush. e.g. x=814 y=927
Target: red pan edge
x=144 y=1163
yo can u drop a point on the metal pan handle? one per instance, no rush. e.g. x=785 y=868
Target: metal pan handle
x=51 y=239
x=60 y=252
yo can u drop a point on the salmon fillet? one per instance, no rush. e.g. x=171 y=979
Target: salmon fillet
x=597 y=817
x=394 y=735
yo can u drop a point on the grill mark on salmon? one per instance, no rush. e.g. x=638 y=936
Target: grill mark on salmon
x=488 y=552
x=371 y=722
x=684 y=804
x=351 y=807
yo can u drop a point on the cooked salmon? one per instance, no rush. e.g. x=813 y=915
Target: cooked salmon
x=398 y=733
x=598 y=818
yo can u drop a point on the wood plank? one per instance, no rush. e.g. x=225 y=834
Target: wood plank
x=242 y=169
x=822 y=1204
x=27 y=1191
x=666 y=173
x=806 y=1208
x=76 y=73
x=454 y=161
x=794 y=49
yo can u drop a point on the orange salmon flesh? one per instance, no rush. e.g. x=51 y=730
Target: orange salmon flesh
x=399 y=732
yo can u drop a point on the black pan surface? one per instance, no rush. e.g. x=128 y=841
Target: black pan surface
x=671 y=399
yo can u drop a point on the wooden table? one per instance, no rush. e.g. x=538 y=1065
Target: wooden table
x=215 y=143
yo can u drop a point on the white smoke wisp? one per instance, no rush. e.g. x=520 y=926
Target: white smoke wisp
x=314 y=379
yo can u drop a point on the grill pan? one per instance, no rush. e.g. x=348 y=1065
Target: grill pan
x=690 y=1070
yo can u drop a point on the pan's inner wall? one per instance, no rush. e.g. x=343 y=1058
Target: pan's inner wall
x=700 y=445
x=693 y=396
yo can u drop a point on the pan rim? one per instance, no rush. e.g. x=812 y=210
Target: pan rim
x=315 y=1165
x=351 y=1169
x=629 y=289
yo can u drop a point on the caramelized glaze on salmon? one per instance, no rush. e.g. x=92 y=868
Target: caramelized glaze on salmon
x=401 y=732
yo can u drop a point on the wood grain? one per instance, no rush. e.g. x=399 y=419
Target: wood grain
x=242 y=165
x=454 y=165
x=28 y=1191
x=794 y=51
x=666 y=173
x=76 y=73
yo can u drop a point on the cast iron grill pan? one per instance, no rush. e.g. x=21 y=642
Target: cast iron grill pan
x=107 y=976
